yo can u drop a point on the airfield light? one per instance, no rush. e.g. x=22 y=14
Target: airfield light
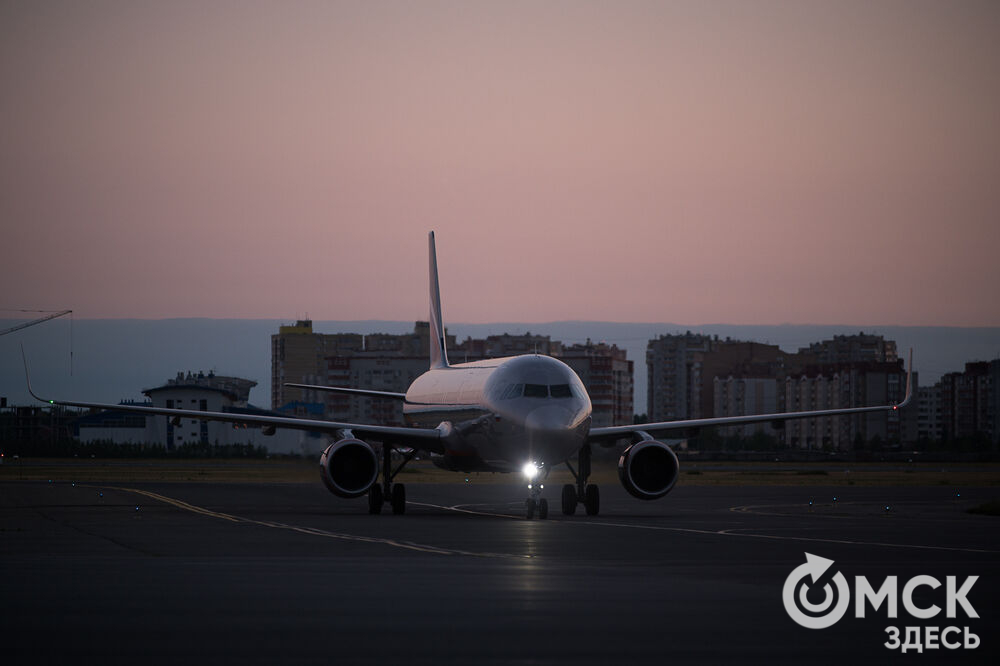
x=530 y=470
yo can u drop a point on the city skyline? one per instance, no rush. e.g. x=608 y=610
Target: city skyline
x=740 y=162
x=109 y=360
x=840 y=369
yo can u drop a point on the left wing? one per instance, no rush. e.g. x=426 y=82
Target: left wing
x=619 y=432
x=427 y=439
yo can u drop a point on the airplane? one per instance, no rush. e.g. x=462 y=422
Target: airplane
x=525 y=413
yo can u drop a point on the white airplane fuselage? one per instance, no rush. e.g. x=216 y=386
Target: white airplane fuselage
x=505 y=412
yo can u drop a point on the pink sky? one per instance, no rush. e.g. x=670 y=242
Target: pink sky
x=694 y=162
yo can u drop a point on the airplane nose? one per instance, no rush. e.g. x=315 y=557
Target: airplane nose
x=553 y=433
x=549 y=419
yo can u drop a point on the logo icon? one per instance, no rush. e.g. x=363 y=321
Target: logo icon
x=795 y=594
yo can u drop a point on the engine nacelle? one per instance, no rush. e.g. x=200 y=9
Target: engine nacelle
x=348 y=468
x=648 y=469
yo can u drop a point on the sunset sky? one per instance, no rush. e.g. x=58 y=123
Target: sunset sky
x=744 y=162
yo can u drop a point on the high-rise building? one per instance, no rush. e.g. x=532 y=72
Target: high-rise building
x=388 y=371
x=929 y=413
x=673 y=368
x=994 y=402
x=738 y=358
x=608 y=376
x=860 y=348
x=499 y=346
x=966 y=402
x=841 y=386
x=743 y=396
x=298 y=356
x=697 y=376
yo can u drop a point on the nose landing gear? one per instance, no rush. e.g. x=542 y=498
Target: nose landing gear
x=535 y=502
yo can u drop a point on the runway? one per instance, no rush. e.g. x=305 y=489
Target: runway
x=287 y=573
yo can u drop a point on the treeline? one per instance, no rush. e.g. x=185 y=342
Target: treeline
x=710 y=439
x=70 y=448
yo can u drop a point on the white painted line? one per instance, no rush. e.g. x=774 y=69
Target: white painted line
x=312 y=531
x=733 y=532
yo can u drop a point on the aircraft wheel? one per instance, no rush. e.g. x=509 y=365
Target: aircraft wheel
x=543 y=509
x=529 y=509
x=375 y=499
x=592 y=500
x=398 y=499
x=569 y=499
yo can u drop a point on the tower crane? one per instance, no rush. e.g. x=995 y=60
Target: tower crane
x=26 y=324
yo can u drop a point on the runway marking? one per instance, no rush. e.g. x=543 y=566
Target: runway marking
x=732 y=532
x=736 y=533
x=459 y=508
x=313 y=531
x=821 y=510
x=436 y=550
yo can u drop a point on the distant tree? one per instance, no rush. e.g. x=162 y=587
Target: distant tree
x=709 y=439
x=875 y=444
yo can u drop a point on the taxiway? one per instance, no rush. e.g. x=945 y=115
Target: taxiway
x=286 y=573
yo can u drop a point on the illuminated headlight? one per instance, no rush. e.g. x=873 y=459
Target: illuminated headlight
x=530 y=470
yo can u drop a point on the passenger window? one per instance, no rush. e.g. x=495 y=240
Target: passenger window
x=560 y=391
x=536 y=391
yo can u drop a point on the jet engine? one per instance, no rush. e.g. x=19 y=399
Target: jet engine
x=648 y=469
x=348 y=468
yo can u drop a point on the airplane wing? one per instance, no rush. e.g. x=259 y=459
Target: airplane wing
x=611 y=433
x=388 y=395
x=427 y=439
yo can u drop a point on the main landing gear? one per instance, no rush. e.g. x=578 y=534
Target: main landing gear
x=387 y=491
x=582 y=493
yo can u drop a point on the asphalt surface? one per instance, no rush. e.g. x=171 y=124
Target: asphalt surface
x=287 y=573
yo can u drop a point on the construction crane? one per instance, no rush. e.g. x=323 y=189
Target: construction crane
x=47 y=317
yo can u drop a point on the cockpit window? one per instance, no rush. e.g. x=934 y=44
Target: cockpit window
x=512 y=391
x=560 y=391
x=536 y=391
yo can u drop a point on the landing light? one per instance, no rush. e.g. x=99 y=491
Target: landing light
x=530 y=470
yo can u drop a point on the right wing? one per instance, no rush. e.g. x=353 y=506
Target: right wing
x=608 y=434
x=352 y=391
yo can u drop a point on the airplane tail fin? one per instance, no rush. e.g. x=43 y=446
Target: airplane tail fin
x=439 y=353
